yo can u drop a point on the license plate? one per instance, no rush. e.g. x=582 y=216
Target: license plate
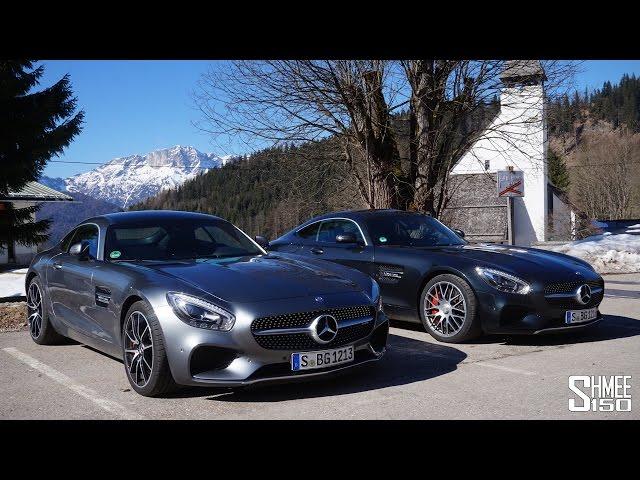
x=578 y=316
x=321 y=359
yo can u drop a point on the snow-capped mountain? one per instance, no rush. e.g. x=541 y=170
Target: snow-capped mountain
x=128 y=180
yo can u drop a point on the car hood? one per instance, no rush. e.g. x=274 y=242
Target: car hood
x=255 y=279
x=522 y=261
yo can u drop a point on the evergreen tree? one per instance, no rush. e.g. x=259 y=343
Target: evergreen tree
x=34 y=126
x=557 y=170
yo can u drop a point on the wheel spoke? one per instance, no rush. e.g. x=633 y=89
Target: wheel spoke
x=139 y=365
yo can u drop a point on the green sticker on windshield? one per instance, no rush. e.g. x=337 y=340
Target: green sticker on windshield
x=383 y=239
x=115 y=254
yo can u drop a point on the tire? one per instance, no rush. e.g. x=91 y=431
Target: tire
x=148 y=373
x=444 y=320
x=40 y=328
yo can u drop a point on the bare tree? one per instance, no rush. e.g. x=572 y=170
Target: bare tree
x=605 y=176
x=271 y=102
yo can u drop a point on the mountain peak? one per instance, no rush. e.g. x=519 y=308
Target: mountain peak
x=127 y=180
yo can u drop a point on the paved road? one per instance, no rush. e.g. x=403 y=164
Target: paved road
x=494 y=378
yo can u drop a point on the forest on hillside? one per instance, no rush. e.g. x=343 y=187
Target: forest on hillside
x=594 y=156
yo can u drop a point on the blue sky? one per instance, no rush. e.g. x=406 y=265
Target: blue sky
x=139 y=106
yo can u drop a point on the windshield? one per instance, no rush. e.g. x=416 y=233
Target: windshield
x=410 y=230
x=182 y=239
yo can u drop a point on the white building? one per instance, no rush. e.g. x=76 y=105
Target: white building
x=517 y=138
x=32 y=194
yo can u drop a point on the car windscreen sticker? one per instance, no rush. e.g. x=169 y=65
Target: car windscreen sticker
x=383 y=239
x=115 y=254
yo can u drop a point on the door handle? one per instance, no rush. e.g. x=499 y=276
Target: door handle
x=317 y=251
x=57 y=265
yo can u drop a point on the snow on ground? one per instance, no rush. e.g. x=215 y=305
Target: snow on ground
x=12 y=283
x=607 y=253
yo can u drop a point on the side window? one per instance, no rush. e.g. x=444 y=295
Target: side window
x=331 y=228
x=88 y=233
x=65 y=243
x=310 y=232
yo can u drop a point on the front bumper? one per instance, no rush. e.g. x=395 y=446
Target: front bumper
x=532 y=314
x=233 y=359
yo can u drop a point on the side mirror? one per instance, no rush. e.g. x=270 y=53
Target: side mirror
x=80 y=250
x=262 y=241
x=459 y=232
x=346 y=238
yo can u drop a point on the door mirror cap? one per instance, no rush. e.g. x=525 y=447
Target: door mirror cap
x=262 y=241
x=80 y=250
x=459 y=232
x=346 y=238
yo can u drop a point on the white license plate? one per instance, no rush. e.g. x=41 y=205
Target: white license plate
x=578 y=316
x=321 y=359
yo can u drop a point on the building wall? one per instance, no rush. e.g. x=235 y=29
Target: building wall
x=23 y=253
x=476 y=209
x=561 y=226
x=517 y=137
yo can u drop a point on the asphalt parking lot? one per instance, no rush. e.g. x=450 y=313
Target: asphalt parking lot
x=492 y=378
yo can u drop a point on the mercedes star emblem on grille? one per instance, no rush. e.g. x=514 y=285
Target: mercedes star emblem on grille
x=324 y=328
x=583 y=294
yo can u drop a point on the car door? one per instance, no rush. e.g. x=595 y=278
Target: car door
x=357 y=255
x=70 y=281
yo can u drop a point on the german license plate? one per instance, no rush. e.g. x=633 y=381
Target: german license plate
x=321 y=359
x=578 y=316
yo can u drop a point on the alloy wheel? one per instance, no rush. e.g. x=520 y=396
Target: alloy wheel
x=445 y=308
x=34 y=310
x=138 y=348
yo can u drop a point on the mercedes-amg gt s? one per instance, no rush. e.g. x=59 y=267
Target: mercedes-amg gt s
x=428 y=273
x=189 y=299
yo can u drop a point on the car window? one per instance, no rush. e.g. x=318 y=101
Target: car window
x=65 y=243
x=177 y=239
x=329 y=229
x=309 y=232
x=87 y=233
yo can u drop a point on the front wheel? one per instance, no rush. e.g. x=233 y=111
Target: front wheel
x=448 y=309
x=145 y=358
x=40 y=328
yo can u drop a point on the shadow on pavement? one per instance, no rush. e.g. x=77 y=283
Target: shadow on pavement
x=407 y=361
x=610 y=327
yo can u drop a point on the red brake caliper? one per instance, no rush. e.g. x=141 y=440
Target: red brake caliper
x=437 y=302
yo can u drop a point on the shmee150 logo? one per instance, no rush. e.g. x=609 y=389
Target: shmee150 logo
x=600 y=393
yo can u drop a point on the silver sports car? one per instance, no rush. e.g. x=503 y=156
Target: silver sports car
x=189 y=299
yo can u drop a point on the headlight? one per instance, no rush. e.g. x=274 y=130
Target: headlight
x=200 y=313
x=503 y=281
x=375 y=294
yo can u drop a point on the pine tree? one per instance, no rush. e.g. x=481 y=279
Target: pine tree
x=34 y=126
x=557 y=170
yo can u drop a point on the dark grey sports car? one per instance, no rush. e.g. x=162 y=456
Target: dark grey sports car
x=189 y=299
x=428 y=273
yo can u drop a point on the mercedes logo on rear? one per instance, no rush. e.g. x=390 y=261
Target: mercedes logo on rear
x=324 y=328
x=583 y=294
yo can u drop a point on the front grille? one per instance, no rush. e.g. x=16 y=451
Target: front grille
x=570 y=287
x=303 y=341
x=302 y=319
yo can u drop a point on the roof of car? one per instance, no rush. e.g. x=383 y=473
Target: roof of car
x=141 y=215
x=356 y=214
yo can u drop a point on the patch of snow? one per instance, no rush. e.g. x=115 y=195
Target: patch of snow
x=12 y=283
x=606 y=253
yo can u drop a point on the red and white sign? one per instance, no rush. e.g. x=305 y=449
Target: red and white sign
x=510 y=183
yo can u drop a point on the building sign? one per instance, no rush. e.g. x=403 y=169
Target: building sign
x=510 y=183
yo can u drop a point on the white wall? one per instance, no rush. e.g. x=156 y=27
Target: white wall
x=517 y=137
